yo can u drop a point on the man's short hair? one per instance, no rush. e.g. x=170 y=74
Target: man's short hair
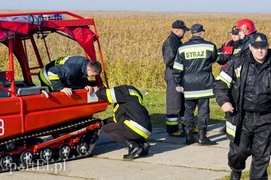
x=95 y=66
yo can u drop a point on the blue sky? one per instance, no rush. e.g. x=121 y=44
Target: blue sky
x=262 y=6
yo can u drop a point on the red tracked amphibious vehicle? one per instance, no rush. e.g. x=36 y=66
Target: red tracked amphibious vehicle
x=36 y=124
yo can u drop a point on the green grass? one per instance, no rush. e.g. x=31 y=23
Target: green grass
x=155 y=102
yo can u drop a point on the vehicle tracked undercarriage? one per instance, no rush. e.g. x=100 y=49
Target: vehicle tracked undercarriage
x=70 y=141
x=38 y=126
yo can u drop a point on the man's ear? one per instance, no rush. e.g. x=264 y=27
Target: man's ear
x=249 y=45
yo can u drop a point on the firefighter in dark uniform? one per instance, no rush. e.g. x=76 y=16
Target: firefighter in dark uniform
x=174 y=99
x=226 y=51
x=230 y=47
x=193 y=76
x=242 y=89
x=130 y=123
x=63 y=72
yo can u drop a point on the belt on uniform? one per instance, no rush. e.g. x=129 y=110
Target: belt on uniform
x=256 y=114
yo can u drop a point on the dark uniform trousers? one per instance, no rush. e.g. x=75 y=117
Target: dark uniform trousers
x=256 y=130
x=174 y=104
x=203 y=113
x=119 y=131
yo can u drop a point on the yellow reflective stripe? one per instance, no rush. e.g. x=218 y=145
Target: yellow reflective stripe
x=114 y=118
x=114 y=110
x=236 y=50
x=108 y=95
x=219 y=78
x=196 y=46
x=237 y=72
x=230 y=129
x=61 y=60
x=172 y=123
x=224 y=77
x=178 y=66
x=52 y=76
x=191 y=55
x=135 y=93
x=43 y=78
x=219 y=53
x=196 y=50
x=198 y=94
x=137 y=128
x=172 y=118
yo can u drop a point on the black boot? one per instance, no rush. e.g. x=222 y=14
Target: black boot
x=133 y=150
x=203 y=140
x=189 y=137
x=145 y=146
x=235 y=175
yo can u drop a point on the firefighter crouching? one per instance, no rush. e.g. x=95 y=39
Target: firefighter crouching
x=130 y=122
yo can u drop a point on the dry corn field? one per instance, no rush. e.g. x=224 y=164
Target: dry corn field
x=131 y=41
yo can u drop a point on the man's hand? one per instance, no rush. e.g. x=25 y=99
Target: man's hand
x=227 y=107
x=67 y=91
x=90 y=89
x=96 y=88
x=179 y=89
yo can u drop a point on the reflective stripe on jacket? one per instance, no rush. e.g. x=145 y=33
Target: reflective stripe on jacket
x=230 y=86
x=192 y=68
x=65 y=71
x=128 y=108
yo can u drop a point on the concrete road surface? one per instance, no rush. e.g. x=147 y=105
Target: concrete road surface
x=169 y=158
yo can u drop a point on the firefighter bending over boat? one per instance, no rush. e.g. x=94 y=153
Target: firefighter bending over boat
x=63 y=72
x=130 y=123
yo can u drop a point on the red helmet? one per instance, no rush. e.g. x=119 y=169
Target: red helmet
x=247 y=25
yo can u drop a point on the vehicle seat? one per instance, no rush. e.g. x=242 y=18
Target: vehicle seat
x=32 y=90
